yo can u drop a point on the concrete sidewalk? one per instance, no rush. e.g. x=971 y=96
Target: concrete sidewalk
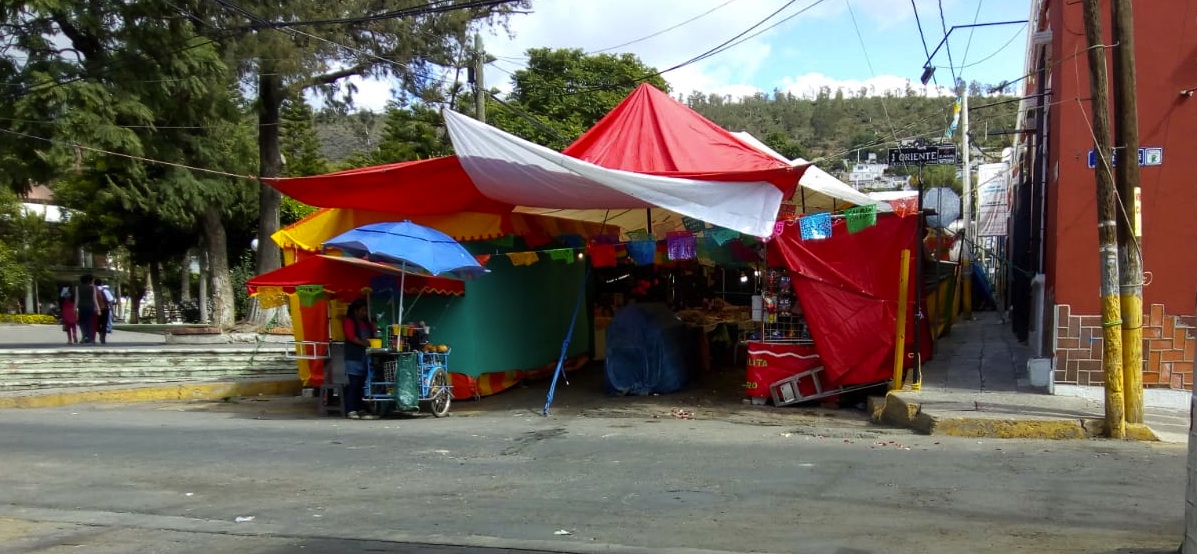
x=977 y=386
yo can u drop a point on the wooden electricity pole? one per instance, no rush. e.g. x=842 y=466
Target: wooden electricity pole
x=1107 y=232
x=1130 y=257
x=479 y=80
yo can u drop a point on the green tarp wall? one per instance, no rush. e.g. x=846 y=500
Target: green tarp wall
x=512 y=318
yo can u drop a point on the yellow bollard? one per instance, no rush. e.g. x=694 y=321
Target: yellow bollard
x=900 y=343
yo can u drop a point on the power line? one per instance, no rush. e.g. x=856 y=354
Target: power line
x=254 y=17
x=440 y=6
x=722 y=47
x=947 y=44
x=531 y=118
x=869 y=63
x=50 y=84
x=922 y=36
x=128 y=156
x=663 y=31
x=971 y=31
x=996 y=52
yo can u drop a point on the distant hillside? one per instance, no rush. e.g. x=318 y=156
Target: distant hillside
x=832 y=127
x=835 y=126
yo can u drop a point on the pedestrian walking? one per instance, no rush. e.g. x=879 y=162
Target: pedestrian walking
x=70 y=317
x=105 y=300
x=87 y=302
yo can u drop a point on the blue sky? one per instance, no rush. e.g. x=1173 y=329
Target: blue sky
x=818 y=47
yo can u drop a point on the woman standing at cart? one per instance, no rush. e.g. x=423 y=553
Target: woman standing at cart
x=358 y=330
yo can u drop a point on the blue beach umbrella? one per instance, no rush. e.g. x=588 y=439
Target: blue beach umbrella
x=413 y=248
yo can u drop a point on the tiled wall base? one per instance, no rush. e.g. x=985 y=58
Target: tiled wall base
x=1168 y=348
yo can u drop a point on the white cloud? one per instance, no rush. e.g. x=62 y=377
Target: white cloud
x=598 y=25
x=591 y=26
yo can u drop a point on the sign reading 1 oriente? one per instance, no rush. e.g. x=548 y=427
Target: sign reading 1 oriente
x=923 y=155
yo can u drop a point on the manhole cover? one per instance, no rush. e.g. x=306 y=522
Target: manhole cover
x=671 y=498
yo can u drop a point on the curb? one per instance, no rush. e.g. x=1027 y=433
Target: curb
x=893 y=409
x=190 y=391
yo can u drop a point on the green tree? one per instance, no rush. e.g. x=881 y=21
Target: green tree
x=783 y=145
x=404 y=40
x=301 y=154
x=299 y=143
x=134 y=79
x=567 y=91
x=13 y=274
x=411 y=133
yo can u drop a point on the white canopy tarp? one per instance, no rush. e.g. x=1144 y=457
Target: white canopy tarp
x=513 y=170
x=818 y=190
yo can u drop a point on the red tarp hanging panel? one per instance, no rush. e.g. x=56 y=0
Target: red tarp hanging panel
x=650 y=132
x=848 y=287
x=347 y=276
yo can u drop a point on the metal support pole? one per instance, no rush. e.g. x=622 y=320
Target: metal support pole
x=900 y=334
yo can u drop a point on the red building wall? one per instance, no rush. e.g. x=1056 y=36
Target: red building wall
x=1166 y=58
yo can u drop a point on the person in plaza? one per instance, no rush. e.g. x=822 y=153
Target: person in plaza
x=358 y=330
x=87 y=302
x=70 y=318
x=105 y=300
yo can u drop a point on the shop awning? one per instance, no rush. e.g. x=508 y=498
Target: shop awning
x=310 y=232
x=348 y=276
x=650 y=152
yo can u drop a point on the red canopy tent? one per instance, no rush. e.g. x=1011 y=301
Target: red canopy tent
x=648 y=133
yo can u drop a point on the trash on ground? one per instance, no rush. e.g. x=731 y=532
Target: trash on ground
x=244 y=519
x=562 y=532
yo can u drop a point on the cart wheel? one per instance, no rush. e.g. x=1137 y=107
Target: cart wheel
x=439 y=393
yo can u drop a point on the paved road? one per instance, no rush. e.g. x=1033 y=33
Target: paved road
x=173 y=478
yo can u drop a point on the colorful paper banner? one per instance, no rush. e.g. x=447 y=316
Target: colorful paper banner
x=643 y=252
x=721 y=236
x=815 y=227
x=693 y=225
x=602 y=255
x=682 y=245
x=636 y=235
x=309 y=295
x=562 y=255
x=861 y=217
x=523 y=258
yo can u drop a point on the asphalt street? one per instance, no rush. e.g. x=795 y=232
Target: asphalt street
x=175 y=479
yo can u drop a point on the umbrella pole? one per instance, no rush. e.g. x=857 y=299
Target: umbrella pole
x=402 y=289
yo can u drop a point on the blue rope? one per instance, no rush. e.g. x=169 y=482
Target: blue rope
x=565 y=345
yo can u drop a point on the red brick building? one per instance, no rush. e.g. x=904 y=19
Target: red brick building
x=1054 y=221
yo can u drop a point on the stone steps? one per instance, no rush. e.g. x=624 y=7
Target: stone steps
x=35 y=369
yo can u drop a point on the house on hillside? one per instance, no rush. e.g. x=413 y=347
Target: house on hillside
x=1055 y=305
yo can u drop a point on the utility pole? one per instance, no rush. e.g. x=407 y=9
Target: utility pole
x=1107 y=232
x=966 y=255
x=1130 y=257
x=479 y=79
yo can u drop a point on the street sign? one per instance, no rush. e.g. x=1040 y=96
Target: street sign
x=923 y=155
x=1148 y=157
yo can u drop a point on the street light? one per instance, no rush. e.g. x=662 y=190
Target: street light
x=929 y=70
